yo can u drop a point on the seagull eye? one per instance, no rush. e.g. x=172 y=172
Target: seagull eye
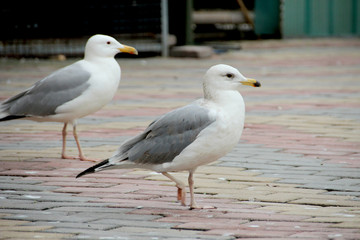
x=108 y=42
x=230 y=75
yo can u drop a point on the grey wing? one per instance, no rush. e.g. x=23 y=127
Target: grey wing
x=167 y=136
x=46 y=95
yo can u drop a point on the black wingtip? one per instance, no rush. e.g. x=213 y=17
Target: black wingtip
x=11 y=117
x=93 y=168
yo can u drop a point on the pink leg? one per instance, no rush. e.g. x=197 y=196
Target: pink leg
x=63 y=152
x=193 y=204
x=81 y=155
x=181 y=194
x=63 y=155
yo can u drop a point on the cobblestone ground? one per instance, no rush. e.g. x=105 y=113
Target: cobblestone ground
x=294 y=175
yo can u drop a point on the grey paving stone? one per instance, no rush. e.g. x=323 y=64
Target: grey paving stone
x=125 y=235
x=348 y=182
x=306 y=179
x=236 y=156
x=355 y=194
x=70 y=226
x=341 y=172
x=18 y=204
x=166 y=233
x=299 y=162
x=281 y=156
x=292 y=172
x=99 y=209
x=17 y=180
x=331 y=187
x=51 y=216
x=111 y=217
x=32 y=145
x=26 y=187
x=291 y=163
x=295 y=178
x=126 y=222
x=250 y=165
x=54 y=197
x=342 y=113
x=324 y=168
x=244 y=160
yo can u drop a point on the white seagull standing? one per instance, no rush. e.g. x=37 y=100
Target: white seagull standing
x=190 y=136
x=73 y=91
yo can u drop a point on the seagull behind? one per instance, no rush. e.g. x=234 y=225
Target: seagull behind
x=72 y=92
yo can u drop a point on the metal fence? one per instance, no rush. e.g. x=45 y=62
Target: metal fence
x=42 y=29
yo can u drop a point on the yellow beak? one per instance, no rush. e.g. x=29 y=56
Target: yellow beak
x=128 y=49
x=251 y=82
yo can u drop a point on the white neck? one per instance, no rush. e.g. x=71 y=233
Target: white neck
x=223 y=96
x=92 y=57
x=101 y=61
x=231 y=103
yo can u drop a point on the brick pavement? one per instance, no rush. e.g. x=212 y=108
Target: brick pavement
x=294 y=175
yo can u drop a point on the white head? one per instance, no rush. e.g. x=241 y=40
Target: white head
x=224 y=77
x=105 y=46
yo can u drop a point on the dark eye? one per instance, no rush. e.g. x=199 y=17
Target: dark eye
x=108 y=42
x=230 y=75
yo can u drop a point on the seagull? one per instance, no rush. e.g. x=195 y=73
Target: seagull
x=72 y=92
x=188 y=137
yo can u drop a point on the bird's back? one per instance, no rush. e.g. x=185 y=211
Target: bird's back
x=166 y=137
x=46 y=95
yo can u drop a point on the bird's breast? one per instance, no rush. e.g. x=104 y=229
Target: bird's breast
x=103 y=84
x=104 y=81
x=212 y=143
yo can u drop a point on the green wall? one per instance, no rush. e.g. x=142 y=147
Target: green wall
x=320 y=18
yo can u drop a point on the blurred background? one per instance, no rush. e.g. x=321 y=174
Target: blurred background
x=154 y=27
